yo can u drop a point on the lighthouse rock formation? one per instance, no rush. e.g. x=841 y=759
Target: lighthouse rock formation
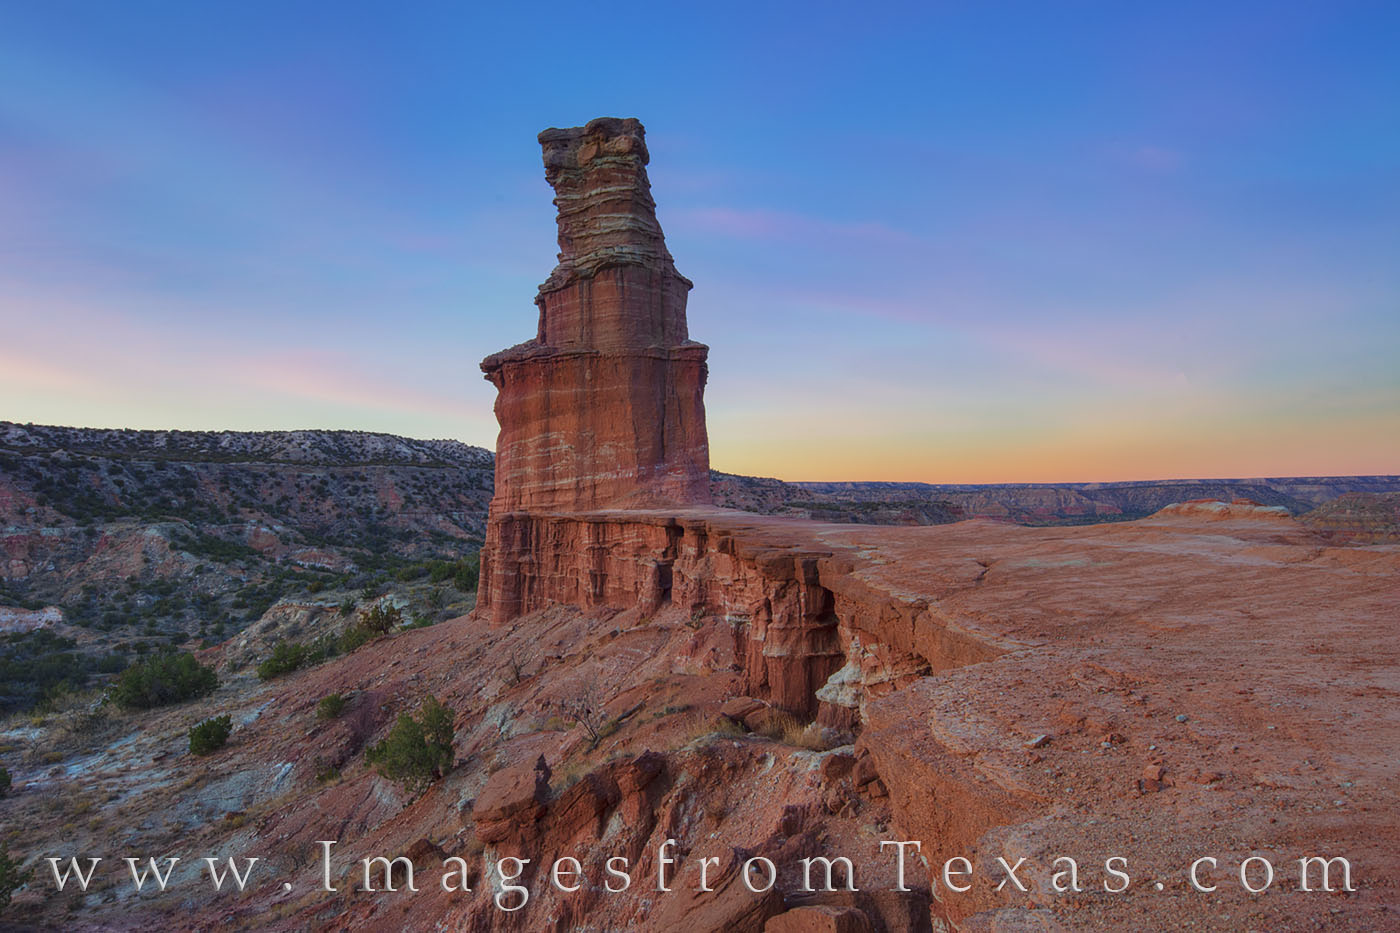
x=604 y=407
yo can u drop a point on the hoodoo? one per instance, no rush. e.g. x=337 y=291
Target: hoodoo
x=604 y=407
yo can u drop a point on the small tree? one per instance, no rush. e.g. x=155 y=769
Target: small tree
x=165 y=678
x=210 y=735
x=437 y=732
x=287 y=656
x=381 y=619
x=4 y=782
x=417 y=751
x=583 y=710
x=11 y=877
x=467 y=573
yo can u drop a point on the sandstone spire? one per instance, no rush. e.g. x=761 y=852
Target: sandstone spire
x=604 y=408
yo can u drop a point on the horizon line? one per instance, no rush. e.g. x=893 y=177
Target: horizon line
x=713 y=469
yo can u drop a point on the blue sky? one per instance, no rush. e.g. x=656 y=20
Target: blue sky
x=947 y=242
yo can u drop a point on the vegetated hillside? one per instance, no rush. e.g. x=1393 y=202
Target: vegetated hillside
x=151 y=538
x=1023 y=503
x=1358 y=518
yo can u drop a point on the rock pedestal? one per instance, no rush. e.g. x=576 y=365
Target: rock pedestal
x=604 y=408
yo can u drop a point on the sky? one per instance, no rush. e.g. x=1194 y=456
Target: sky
x=944 y=242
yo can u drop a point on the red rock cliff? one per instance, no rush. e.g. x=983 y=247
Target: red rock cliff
x=604 y=408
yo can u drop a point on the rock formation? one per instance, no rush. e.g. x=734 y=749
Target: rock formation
x=604 y=407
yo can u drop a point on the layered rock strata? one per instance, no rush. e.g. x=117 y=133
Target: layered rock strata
x=604 y=408
x=810 y=638
x=1160 y=690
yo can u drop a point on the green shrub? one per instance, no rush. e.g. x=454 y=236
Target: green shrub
x=352 y=638
x=381 y=619
x=11 y=878
x=210 y=735
x=467 y=574
x=39 y=667
x=287 y=656
x=417 y=751
x=163 y=679
x=410 y=573
x=331 y=706
x=348 y=606
x=111 y=664
x=4 y=782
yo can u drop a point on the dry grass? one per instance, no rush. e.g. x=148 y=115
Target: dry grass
x=778 y=725
x=75 y=723
x=808 y=736
x=788 y=729
x=703 y=726
x=571 y=775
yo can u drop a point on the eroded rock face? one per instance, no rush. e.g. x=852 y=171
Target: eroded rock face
x=811 y=638
x=604 y=407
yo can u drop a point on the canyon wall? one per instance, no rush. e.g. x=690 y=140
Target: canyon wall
x=812 y=637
